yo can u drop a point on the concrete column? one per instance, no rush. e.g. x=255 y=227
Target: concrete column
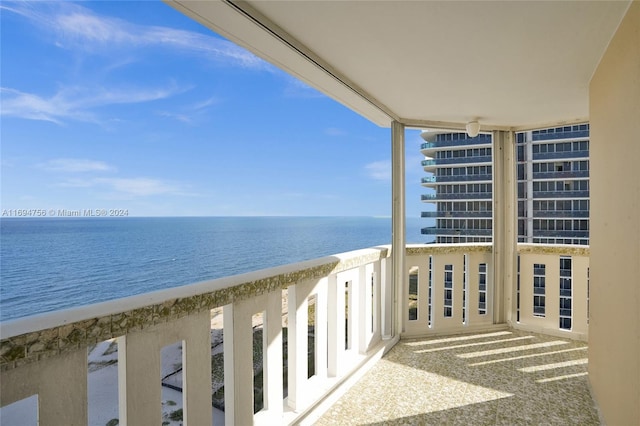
x=614 y=323
x=504 y=225
x=398 y=212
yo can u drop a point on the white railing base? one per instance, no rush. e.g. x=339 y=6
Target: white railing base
x=555 y=332
x=472 y=329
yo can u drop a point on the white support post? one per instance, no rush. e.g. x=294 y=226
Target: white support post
x=386 y=299
x=238 y=366
x=272 y=371
x=354 y=311
x=365 y=308
x=336 y=329
x=139 y=370
x=321 y=328
x=297 y=345
x=398 y=238
x=196 y=375
x=504 y=225
x=377 y=305
x=139 y=380
x=60 y=383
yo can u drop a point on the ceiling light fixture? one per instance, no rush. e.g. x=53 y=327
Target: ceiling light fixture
x=473 y=128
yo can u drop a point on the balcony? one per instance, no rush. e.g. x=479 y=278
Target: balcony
x=430 y=147
x=464 y=178
x=458 y=196
x=478 y=160
x=561 y=194
x=47 y=355
x=428 y=180
x=485 y=378
x=458 y=214
x=576 y=155
x=343 y=323
x=562 y=214
x=570 y=174
x=434 y=230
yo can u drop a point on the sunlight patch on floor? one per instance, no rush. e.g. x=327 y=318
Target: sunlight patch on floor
x=468 y=345
x=554 y=365
x=515 y=358
x=512 y=349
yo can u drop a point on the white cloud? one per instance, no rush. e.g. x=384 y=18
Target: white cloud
x=77 y=27
x=191 y=113
x=379 y=170
x=140 y=186
x=75 y=165
x=75 y=103
x=127 y=188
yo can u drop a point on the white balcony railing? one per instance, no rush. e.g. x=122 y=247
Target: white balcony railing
x=339 y=318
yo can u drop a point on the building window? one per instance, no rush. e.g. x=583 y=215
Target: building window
x=448 y=290
x=539 y=290
x=565 y=293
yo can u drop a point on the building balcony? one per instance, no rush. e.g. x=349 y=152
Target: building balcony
x=485 y=178
x=434 y=230
x=344 y=325
x=571 y=174
x=560 y=214
x=458 y=214
x=428 y=180
x=560 y=194
x=569 y=134
x=444 y=162
x=574 y=155
x=560 y=233
x=457 y=196
x=427 y=148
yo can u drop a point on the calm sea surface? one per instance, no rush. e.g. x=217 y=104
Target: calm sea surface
x=51 y=264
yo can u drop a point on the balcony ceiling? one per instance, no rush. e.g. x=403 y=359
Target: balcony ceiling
x=516 y=65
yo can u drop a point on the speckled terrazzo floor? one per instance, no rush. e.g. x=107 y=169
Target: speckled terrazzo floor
x=499 y=378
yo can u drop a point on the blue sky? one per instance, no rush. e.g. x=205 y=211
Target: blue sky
x=131 y=105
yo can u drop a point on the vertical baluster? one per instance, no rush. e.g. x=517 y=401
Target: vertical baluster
x=298 y=345
x=238 y=365
x=321 y=328
x=336 y=326
x=139 y=370
x=272 y=371
x=60 y=383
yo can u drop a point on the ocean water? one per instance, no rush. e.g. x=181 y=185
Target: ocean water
x=51 y=264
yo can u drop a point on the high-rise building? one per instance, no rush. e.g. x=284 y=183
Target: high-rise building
x=461 y=173
x=553 y=186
